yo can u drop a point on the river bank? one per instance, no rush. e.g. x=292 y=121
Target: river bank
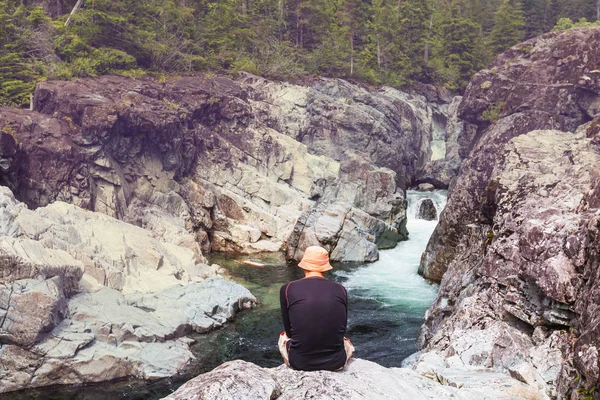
x=387 y=300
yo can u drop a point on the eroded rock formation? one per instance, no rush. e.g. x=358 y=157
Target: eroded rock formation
x=234 y=165
x=516 y=249
x=87 y=298
x=361 y=379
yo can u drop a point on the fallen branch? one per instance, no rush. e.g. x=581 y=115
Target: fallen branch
x=252 y=263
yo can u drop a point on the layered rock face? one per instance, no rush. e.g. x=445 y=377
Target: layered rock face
x=247 y=165
x=361 y=379
x=87 y=298
x=516 y=249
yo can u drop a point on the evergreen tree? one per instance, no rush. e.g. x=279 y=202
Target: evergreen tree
x=509 y=26
x=577 y=9
x=358 y=13
x=331 y=53
x=587 y=9
x=414 y=16
x=538 y=16
x=17 y=76
x=396 y=40
x=482 y=12
x=458 y=50
x=390 y=42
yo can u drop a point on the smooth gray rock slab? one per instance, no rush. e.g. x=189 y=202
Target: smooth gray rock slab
x=240 y=380
x=361 y=379
x=125 y=317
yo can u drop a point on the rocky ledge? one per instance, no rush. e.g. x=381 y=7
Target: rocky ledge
x=242 y=165
x=87 y=298
x=516 y=249
x=240 y=380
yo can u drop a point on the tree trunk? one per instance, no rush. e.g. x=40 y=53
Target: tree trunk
x=77 y=5
x=426 y=55
x=281 y=22
x=378 y=53
x=298 y=25
x=351 y=53
x=598 y=10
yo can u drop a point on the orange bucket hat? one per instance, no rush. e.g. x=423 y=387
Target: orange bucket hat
x=315 y=259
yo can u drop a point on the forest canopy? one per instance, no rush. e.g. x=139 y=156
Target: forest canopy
x=392 y=42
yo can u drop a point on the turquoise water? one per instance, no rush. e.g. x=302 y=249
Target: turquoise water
x=387 y=301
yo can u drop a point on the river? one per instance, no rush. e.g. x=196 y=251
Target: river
x=387 y=301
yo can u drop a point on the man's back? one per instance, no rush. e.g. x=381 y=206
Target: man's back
x=314 y=311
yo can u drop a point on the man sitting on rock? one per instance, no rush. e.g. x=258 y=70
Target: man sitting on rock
x=315 y=314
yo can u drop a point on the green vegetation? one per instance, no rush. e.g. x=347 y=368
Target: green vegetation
x=492 y=113
x=393 y=42
x=586 y=394
x=509 y=26
x=458 y=46
x=567 y=23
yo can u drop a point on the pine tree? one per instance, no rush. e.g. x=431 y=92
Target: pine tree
x=415 y=16
x=482 y=12
x=538 y=15
x=458 y=50
x=332 y=51
x=509 y=26
x=16 y=76
x=373 y=57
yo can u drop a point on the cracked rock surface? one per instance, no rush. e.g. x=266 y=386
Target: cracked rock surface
x=231 y=165
x=87 y=298
x=361 y=379
x=516 y=249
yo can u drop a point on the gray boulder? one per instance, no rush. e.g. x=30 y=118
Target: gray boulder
x=30 y=308
x=107 y=336
x=353 y=221
x=427 y=210
x=425 y=187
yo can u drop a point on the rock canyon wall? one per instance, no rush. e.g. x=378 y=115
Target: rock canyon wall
x=516 y=249
x=241 y=165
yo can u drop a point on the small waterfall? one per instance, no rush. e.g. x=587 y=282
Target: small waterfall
x=388 y=298
x=415 y=199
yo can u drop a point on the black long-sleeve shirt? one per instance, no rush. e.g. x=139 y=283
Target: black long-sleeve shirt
x=315 y=314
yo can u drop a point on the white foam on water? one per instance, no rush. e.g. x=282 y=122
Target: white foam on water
x=393 y=279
